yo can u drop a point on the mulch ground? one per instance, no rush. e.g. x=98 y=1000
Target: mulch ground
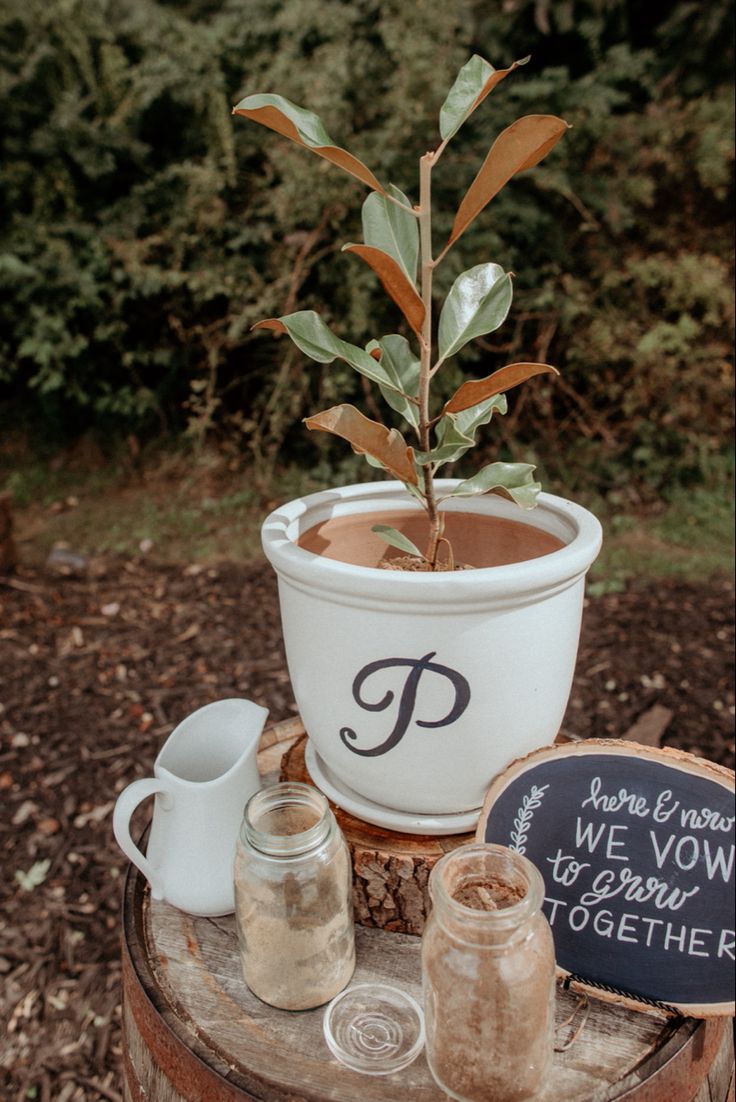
x=95 y=671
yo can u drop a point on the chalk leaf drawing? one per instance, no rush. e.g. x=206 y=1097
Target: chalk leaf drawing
x=531 y=801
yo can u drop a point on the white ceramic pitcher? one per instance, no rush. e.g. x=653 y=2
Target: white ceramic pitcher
x=203 y=777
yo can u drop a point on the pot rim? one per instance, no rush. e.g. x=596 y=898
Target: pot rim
x=571 y=522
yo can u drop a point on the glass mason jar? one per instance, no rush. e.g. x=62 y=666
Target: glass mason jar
x=293 y=898
x=488 y=973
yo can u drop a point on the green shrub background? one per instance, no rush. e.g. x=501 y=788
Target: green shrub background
x=143 y=229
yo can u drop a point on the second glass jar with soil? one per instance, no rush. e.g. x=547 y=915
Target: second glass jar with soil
x=488 y=972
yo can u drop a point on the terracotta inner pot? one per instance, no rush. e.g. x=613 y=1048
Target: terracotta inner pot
x=477 y=540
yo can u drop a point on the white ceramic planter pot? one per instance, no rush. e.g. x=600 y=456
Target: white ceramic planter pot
x=416 y=689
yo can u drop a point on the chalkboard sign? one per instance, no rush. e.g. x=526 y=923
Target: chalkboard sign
x=636 y=848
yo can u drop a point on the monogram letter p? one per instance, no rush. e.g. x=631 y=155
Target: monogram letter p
x=417 y=668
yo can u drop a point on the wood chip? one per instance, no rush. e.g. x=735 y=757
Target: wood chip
x=650 y=726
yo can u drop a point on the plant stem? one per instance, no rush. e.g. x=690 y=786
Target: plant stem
x=427 y=265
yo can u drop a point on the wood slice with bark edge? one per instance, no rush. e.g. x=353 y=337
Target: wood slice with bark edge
x=390 y=870
x=701 y=767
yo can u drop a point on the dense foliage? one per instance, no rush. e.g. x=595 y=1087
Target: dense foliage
x=142 y=230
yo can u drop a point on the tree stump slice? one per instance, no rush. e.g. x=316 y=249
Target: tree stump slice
x=193 y=1032
x=390 y=870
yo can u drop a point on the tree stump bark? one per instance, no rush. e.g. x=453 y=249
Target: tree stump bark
x=390 y=870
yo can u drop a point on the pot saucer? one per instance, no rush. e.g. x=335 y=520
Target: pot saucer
x=405 y=822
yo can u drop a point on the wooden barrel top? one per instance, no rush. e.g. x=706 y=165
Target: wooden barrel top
x=193 y=1030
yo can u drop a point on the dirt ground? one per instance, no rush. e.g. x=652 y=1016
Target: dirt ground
x=95 y=671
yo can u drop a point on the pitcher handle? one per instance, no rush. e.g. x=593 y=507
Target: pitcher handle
x=126 y=804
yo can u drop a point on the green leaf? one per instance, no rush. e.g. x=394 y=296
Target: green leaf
x=511 y=480
x=478 y=303
x=306 y=129
x=393 y=229
x=416 y=491
x=316 y=340
x=402 y=367
x=456 y=431
x=396 y=539
x=472 y=84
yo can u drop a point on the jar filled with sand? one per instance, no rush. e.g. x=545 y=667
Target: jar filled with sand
x=488 y=973
x=293 y=898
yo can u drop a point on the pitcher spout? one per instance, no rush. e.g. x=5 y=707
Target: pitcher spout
x=215 y=740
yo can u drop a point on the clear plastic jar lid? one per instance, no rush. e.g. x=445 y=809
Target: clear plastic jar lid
x=374 y=1028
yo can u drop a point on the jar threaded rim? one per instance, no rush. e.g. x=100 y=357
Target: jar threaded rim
x=478 y=859
x=279 y=800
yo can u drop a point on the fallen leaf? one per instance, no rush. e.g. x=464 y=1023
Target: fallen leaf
x=96 y=815
x=188 y=633
x=35 y=875
x=24 y=812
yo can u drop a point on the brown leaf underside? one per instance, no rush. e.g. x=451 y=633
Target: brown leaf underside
x=490 y=84
x=477 y=390
x=364 y=435
x=275 y=120
x=521 y=146
x=394 y=282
